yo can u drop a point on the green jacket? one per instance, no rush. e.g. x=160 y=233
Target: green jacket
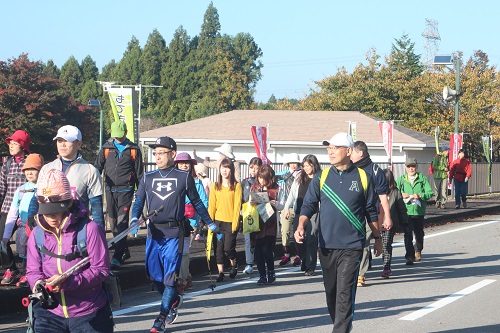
x=440 y=166
x=420 y=186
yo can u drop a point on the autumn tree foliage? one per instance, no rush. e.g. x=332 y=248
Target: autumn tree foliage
x=32 y=100
x=400 y=88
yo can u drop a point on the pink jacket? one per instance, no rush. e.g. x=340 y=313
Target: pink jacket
x=81 y=293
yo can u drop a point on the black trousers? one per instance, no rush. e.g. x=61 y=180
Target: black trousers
x=228 y=245
x=118 y=211
x=264 y=254
x=415 y=226
x=340 y=273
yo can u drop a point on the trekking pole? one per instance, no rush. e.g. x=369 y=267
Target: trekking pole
x=208 y=251
x=45 y=295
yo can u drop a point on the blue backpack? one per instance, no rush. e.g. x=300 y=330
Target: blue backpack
x=80 y=242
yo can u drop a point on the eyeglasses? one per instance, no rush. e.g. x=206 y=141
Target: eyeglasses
x=334 y=148
x=161 y=153
x=13 y=143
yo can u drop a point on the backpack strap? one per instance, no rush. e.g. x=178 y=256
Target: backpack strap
x=106 y=152
x=362 y=176
x=8 y=164
x=133 y=153
x=81 y=243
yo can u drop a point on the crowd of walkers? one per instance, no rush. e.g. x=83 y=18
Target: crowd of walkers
x=330 y=214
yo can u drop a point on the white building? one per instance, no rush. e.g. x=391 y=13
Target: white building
x=299 y=132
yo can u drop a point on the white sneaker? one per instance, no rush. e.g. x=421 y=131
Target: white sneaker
x=248 y=269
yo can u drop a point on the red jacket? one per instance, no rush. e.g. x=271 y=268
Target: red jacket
x=460 y=169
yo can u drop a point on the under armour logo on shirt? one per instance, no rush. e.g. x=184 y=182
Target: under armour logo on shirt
x=160 y=186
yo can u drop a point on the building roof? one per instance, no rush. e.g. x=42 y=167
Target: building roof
x=286 y=127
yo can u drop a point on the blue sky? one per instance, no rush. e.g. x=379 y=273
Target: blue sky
x=302 y=41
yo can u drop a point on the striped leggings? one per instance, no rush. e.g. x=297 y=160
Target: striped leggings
x=387 y=239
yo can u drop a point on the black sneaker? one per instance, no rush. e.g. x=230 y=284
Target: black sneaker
x=271 y=277
x=309 y=272
x=262 y=280
x=409 y=262
x=126 y=255
x=159 y=325
x=303 y=266
x=233 y=272
x=220 y=278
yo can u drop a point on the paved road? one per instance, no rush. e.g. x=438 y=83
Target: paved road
x=455 y=288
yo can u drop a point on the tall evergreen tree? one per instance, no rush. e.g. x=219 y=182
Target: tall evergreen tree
x=177 y=77
x=404 y=58
x=90 y=88
x=72 y=77
x=129 y=70
x=153 y=58
x=51 y=70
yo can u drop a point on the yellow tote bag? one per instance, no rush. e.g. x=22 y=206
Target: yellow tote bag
x=250 y=218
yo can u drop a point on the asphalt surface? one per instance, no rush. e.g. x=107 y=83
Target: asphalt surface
x=132 y=273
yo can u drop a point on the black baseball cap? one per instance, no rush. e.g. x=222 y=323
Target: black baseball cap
x=165 y=141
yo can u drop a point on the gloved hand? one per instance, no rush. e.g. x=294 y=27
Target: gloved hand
x=216 y=230
x=132 y=222
x=466 y=179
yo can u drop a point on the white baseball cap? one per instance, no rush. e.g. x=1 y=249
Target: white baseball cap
x=69 y=133
x=340 y=140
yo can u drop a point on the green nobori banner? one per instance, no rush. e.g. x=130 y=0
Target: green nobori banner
x=486 y=147
x=124 y=103
x=436 y=139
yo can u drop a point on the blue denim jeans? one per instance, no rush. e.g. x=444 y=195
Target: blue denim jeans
x=461 y=189
x=100 y=321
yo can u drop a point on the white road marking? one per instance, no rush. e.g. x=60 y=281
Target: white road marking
x=141 y=307
x=447 y=300
x=399 y=244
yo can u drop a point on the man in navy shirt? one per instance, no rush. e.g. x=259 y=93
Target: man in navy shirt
x=167 y=186
x=346 y=195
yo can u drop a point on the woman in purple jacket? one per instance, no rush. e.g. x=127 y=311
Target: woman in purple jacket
x=83 y=304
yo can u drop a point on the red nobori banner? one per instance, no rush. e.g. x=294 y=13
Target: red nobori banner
x=386 y=130
x=455 y=146
x=259 y=134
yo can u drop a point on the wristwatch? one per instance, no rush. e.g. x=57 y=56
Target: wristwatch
x=376 y=237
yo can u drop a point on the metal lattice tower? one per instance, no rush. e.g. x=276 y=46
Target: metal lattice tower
x=432 y=41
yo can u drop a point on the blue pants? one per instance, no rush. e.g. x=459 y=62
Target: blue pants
x=163 y=262
x=100 y=321
x=460 y=192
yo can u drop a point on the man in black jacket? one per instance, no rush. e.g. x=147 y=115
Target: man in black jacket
x=121 y=161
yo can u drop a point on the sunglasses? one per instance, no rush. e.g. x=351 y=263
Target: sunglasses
x=51 y=198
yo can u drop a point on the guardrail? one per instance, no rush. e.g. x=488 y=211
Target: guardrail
x=478 y=184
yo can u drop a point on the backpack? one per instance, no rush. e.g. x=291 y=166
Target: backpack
x=81 y=242
x=8 y=164
x=111 y=284
x=133 y=153
x=362 y=175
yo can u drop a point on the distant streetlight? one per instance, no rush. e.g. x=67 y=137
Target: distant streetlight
x=94 y=103
x=449 y=93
